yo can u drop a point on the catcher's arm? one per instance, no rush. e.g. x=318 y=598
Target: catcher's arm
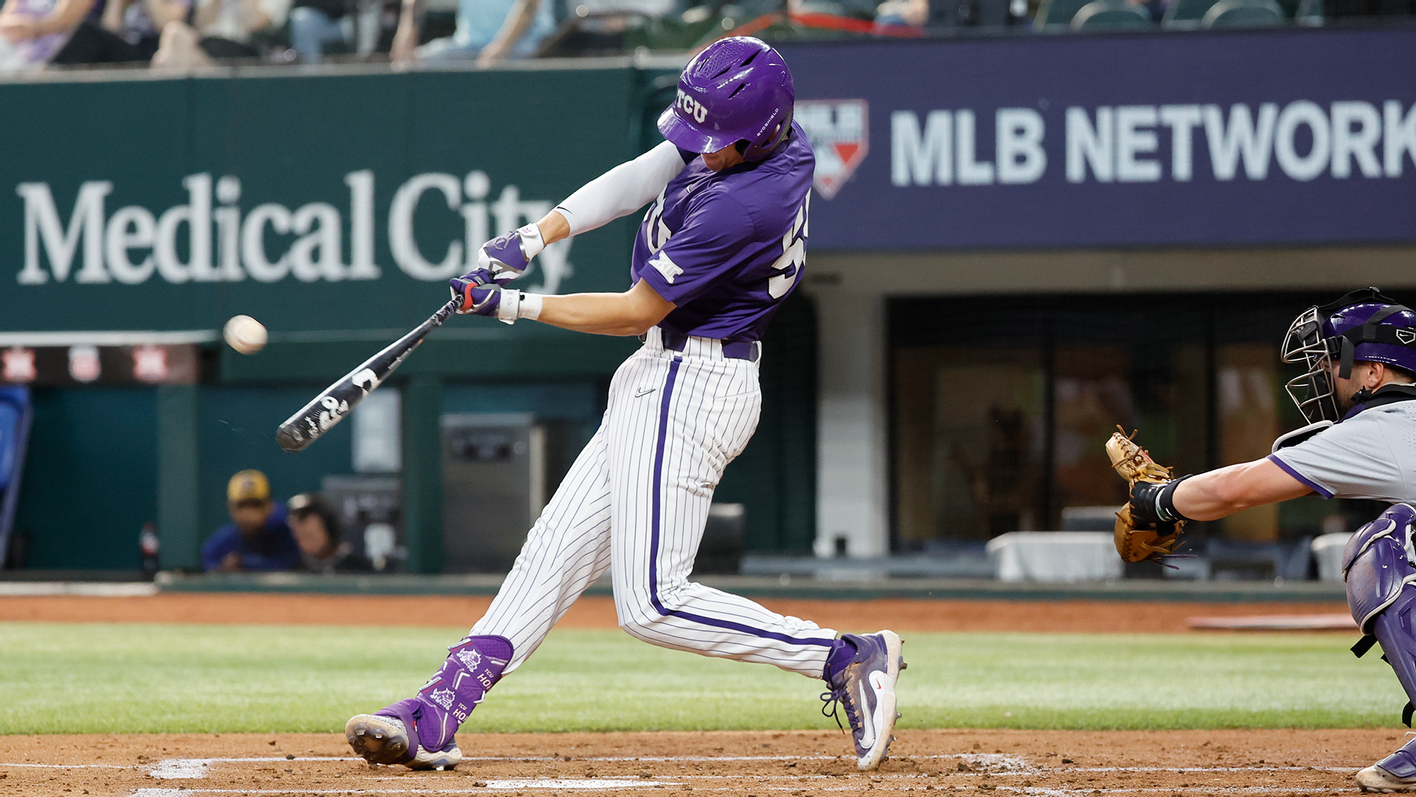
x=1220 y=493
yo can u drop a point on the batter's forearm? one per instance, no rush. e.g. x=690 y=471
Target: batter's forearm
x=596 y=313
x=553 y=228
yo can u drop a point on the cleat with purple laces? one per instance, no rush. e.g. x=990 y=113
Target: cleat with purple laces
x=865 y=688
x=419 y=732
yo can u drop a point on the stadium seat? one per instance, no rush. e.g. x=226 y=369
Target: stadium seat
x=1186 y=13
x=1056 y=15
x=1110 y=15
x=1243 y=14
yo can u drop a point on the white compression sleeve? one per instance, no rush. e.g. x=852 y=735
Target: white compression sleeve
x=622 y=190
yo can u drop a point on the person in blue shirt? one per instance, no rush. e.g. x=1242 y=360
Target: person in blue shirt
x=258 y=537
x=488 y=31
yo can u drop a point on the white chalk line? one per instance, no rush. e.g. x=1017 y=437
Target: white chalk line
x=1008 y=765
x=192 y=768
x=195 y=768
x=72 y=766
x=999 y=759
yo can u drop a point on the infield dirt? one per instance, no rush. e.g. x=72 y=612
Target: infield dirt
x=1041 y=763
x=1280 y=762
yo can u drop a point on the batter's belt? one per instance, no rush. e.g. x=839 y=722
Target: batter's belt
x=748 y=350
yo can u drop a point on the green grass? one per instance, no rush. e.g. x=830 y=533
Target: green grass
x=89 y=678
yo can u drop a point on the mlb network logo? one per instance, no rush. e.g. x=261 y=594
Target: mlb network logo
x=839 y=131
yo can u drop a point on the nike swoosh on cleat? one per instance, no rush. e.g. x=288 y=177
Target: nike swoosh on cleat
x=867 y=731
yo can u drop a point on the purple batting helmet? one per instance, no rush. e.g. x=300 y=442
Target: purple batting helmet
x=737 y=89
x=1363 y=326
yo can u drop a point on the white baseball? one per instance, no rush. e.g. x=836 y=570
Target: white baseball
x=245 y=334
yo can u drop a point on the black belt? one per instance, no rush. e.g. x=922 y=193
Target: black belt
x=732 y=349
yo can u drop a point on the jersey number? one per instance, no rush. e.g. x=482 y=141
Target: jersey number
x=793 y=254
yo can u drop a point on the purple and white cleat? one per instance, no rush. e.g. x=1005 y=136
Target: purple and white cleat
x=1396 y=772
x=419 y=732
x=866 y=689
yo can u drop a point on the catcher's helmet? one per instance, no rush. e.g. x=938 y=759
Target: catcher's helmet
x=737 y=90
x=1362 y=326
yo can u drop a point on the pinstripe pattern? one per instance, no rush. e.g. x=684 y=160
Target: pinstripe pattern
x=638 y=497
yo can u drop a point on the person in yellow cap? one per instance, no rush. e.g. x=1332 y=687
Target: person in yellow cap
x=258 y=537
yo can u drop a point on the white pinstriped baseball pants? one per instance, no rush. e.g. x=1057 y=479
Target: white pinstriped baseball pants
x=636 y=500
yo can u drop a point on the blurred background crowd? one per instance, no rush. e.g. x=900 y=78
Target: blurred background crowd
x=181 y=34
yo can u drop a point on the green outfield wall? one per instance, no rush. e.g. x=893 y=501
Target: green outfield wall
x=333 y=208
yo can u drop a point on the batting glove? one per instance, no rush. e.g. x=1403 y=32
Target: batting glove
x=481 y=295
x=511 y=252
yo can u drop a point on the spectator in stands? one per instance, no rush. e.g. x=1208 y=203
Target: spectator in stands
x=316 y=531
x=140 y=22
x=257 y=538
x=220 y=29
x=315 y=23
x=487 y=31
x=37 y=33
x=893 y=13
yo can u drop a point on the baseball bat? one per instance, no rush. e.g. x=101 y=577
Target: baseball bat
x=340 y=398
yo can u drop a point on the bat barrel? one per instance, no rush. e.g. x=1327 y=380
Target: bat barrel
x=339 y=399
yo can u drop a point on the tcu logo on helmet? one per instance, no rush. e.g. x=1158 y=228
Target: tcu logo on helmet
x=692 y=107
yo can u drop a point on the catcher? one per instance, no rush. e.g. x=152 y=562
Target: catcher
x=1360 y=358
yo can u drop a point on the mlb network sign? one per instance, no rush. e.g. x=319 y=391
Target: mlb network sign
x=214 y=237
x=1301 y=141
x=1275 y=137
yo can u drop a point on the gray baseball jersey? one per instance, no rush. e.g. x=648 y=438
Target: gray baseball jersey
x=1371 y=454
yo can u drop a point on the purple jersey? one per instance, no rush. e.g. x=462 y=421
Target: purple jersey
x=39 y=50
x=726 y=247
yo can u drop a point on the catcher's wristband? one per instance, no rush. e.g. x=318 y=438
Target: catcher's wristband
x=1155 y=503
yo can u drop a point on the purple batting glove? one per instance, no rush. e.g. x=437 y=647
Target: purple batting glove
x=511 y=252
x=476 y=297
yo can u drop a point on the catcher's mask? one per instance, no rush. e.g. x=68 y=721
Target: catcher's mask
x=1362 y=326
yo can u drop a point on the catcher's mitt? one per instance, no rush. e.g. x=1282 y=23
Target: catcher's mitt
x=1136 y=539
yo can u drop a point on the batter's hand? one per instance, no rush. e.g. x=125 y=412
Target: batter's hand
x=482 y=294
x=476 y=297
x=511 y=252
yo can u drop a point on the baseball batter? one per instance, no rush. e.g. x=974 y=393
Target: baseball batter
x=1357 y=393
x=722 y=245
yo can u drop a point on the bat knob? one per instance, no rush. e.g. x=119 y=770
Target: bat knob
x=291 y=440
